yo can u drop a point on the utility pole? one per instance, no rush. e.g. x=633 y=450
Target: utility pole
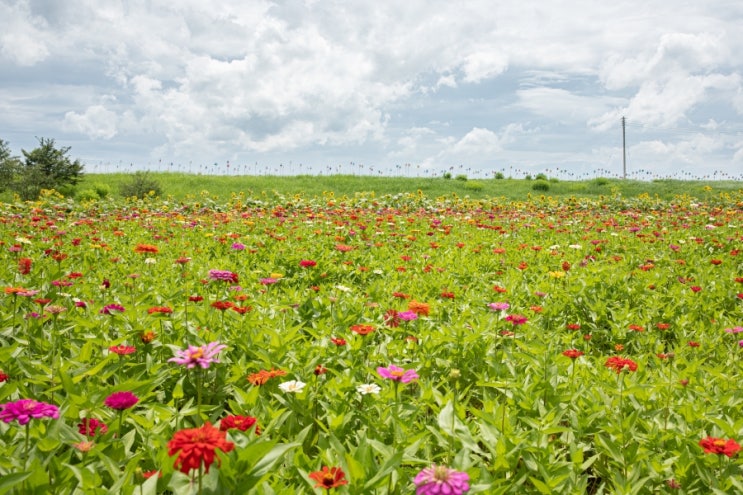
x=624 y=149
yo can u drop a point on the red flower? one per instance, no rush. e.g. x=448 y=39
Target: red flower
x=712 y=445
x=400 y=295
x=122 y=350
x=391 y=319
x=500 y=289
x=693 y=344
x=3 y=377
x=329 y=478
x=195 y=298
x=24 y=266
x=637 y=328
x=223 y=305
x=662 y=326
x=307 y=263
x=362 y=329
x=716 y=262
x=619 y=364
x=447 y=295
x=338 y=342
x=197 y=446
x=162 y=310
x=237 y=422
x=573 y=326
x=517 y=319
x=146 y=248
x=90 y=427
x=572 y=353
x=320 y=370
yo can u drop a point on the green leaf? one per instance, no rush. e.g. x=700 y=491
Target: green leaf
x=12 y=480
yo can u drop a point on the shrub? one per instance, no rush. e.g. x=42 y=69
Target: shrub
x=541 y=176
x=447 y=175
x=474 y=185
x=541 y=185
x=461 y=177
x=600 y=181
x=499 y=176
x=528 y=177
x=141 y=185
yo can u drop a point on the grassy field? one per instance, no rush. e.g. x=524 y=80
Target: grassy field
x=182 y=186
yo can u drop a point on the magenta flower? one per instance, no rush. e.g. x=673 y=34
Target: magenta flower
x=90 y=427
x=440 y=480
x=407 y=315
x=397 y=374
x=201 y=356
x=268 y=281
x=734 y=330
x=499 y=306
x=224 y=275
x=24 y=410
x=111 y=309
x=238 y=246
x=517 y=319
x=121 y=400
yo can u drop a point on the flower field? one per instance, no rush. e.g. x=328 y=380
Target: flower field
x=368 y=345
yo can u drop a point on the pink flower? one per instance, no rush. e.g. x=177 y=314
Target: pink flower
x=499 y=306
x=268 y=281
x=198 y=356
x=407 y=315
x=517 y=319
x=121 y=400
x=440 y=480
x=110 y=309
x=224 y=275
x=24 y=410
x=397 y=374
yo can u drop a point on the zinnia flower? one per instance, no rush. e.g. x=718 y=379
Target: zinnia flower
x=397 y=374
x=440 y=480
x=517 y=319
x=224 y=275
x=195 y=446
x=407 y=315
x=712 y=445
x=90 y=427
x=619 y=364
x=307 y=263
x=362 y=329
x=292 y=386
x=368 y=388
x=201 y=356
x=419 y=308
x=328 y=478
x=162 y=310
x=121 y=400
x=111 y=309
x=572 y=353
x=24 y=410
x=122 y=350
x=237 y=422
x=261 y=377
x=499 y=306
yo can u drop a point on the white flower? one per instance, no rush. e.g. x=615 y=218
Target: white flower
x=575 y=246
x=150 y=261
x=292 y=386
x=368 y=388
x=343 y=288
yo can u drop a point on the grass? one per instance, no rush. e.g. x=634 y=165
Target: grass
x=184 y=186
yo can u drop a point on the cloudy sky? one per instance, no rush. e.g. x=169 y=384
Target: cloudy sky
x=412 y=88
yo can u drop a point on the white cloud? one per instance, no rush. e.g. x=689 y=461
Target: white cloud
x=264 y=79
x=97 y=122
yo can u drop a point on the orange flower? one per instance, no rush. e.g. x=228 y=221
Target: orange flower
x=146 y=248
x=712 y=445
x=261 y=377
x=195 y=446
x=419 y=308
x=362 y=329
x=329 y=478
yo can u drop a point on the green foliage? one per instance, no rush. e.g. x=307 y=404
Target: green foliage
x=600 y=181
x=140 y=185
x=45 y=167
x=446 y=175
x=499 y=176
x=474 y=185
x=540 y=185
x=462 y=177
x=540 y=176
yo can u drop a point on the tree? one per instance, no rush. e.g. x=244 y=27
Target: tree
x=45 y=167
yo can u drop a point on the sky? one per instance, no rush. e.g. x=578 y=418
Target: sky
x=413 y=88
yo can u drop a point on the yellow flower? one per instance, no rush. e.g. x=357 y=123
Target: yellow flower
x=556 y=274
